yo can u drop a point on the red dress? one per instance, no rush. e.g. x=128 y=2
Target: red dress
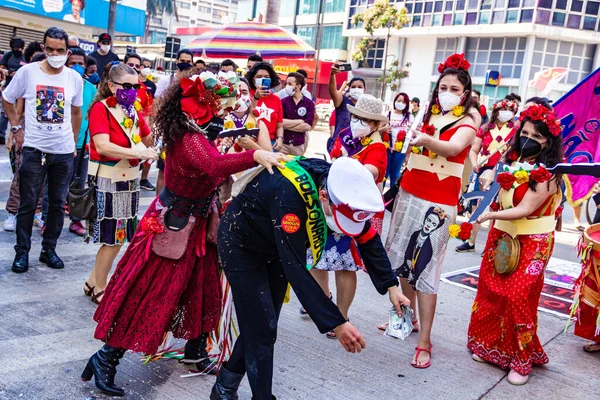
x=149 y=295
x=503 y=327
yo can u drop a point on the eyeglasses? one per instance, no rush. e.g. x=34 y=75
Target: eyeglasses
x=132 y=65
x=363 y=122
x=128 y=86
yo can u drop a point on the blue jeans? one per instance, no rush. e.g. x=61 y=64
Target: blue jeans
x=58 y=171
x=395 y=161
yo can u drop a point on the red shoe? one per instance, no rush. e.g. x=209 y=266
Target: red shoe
x=77 y=228
x=419 y=350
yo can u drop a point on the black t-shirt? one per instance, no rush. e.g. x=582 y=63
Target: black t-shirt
x=151 y=87
x=103 y=60
x=12 y=62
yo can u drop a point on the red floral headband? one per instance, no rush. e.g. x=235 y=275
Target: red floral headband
x=455 y=61
x=198 y=103
x=538 y=112
x=508 y=104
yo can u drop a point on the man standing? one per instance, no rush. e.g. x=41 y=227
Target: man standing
x=184 y=63
x=283 y=93
x=298 y=116
x=416 y=104
x=228 y=65
x=104 y=55
x=77 y=61
x=53 y=100
x=146 y=76
x=200 y=66
x=253 y=59
x=14 y=59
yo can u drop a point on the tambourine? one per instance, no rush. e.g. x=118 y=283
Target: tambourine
x=507 y=254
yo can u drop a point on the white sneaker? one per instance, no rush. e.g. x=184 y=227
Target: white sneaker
x=38 y=221
x=10 y=223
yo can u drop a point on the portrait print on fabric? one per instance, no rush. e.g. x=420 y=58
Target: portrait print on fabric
x=50 y=104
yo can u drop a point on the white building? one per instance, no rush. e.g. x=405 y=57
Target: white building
x=515 y=37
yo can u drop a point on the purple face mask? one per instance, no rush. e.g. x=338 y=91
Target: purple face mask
x=126 y=97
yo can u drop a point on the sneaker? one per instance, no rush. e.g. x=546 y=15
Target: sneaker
x=10 y=223
x=466 y=247
x=38 y=221
x=146 y=185
x=77 y=228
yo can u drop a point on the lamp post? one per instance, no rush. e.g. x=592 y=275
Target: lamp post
x=318 y=40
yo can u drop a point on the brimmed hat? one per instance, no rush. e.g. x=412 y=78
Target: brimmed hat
x=368 y=107
x=104 y=36
x=355 y=198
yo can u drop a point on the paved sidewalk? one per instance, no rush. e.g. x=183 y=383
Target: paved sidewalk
x=46 y=337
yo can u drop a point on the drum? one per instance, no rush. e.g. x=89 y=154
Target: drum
x=586 y=306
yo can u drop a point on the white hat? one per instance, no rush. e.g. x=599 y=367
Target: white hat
x=355 y=198
x=368 y=107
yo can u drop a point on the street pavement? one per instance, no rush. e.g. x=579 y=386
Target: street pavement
x=46 y=337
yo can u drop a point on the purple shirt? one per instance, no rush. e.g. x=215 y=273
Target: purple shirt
x=304 y=110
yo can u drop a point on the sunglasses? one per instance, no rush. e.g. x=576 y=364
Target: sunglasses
x=128 y=86
x=132 y=65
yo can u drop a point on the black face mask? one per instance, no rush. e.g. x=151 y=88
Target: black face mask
x=213 y=128
x=17 y=53
x=184 y=66
x=529 y=147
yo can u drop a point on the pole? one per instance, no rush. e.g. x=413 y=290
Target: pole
x=318 y=40
x=254 y=6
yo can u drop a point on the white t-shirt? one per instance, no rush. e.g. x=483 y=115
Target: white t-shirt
x=163 y=84
x=48 y=101
x=398 y=122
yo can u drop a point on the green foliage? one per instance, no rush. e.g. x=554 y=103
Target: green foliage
x=395 y=75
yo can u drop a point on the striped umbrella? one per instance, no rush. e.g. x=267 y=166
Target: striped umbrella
x=242 y=39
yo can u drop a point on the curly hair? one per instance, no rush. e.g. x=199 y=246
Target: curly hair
x=550 y=156
x=264 y=66
x=465 y=79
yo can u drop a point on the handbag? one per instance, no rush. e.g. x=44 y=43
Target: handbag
x=82 y=202
x=173 y=241
x=508 y=250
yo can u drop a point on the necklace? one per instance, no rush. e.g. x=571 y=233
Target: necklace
x=239 y=122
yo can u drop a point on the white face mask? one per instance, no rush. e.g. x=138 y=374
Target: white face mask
x=448 y=100
x=358 y=129
x=505 y=115
x=289 y=89
x=332 y=224
x=244 y=103
x=400 y=106
x=105 y=48
x=57 y=61
x=145 y=72
x=355 y=93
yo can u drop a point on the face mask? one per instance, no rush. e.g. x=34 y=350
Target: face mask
x=243 y=103
x=105 y=48
x=17 y=53
x=355 y=93
x=448 y=100
x=126 y=97
x=332 y=224
x=290 y=90
x=79 y=69
x=57 y=61
x=146 y=71
x=530 y=147
x=358 y=129
x=94 y=78
x=184 y=66
x=400 y=106
x=505 y=115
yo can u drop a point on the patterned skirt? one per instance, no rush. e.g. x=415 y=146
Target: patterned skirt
x=117 y=205
x=503 y=327
x=417 y=240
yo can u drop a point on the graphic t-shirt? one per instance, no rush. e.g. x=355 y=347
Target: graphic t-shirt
x=269 y=110
x=48 y=101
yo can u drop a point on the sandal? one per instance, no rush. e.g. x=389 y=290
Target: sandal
x=96 y=295
x=419 y=350
x=330 y=335
x=88 y=290
x=515 y=378
x=588 y=348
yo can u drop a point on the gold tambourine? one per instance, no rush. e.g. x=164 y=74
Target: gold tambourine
x=507 y=254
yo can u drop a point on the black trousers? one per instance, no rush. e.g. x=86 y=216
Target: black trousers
x=258 y=289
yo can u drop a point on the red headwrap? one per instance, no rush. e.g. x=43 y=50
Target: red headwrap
x=197 y=102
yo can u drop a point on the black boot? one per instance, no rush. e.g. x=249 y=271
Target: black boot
x=226 y=386
x=51 y=259
x=103 y=366
x=195 y=353
x=21 y=262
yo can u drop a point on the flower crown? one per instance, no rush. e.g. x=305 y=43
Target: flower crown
x=538 y=112
x=455 y=61
x=506 y=104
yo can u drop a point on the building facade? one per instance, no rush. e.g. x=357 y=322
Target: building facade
x=517 y=38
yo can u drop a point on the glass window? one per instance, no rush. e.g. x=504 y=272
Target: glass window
x=529 y=3
x=526 y=16
x=592 y=8
x=498 y=17
x=438 y=6
x=549 y=60
x=506 y=70
x=497 y=43
x=437 y=19
x=564 y=48
x=479 y=70
x=513 y=3
x=575 y=63
x=418 y=8
x=409 y=7
x=449 y=5
x=484 y=43
x=486 y=4
x=551 y=46
x=587 y=65
x=473 y=4
x=429 y=7
x=558 y=19
x=471 y=18
x=482 y=57
x=495 y=57
x=427 y=20
x=536 y=59
x=520 y=57
x=562 y=61
x=578 y=49
x=459 y=18
x=512 y=16
x=508 y=57
x=543 y=17
x=561 y=4
x=576 y=5
x=447 y=19
x=589 y=23
x=484 y=18
x=470 y=55
x=500 y=4
x=590 y=50
x=460 y=4
x=573 y=21
x=573 y=77
x=545 y=3
x=416 y=20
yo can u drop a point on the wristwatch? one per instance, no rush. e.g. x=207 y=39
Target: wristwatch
x=15 y=129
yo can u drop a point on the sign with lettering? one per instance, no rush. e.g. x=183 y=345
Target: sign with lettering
x=492 y=78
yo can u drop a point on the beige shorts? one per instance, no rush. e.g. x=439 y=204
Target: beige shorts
x=294 y=150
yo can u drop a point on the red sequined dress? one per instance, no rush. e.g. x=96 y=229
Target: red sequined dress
x=149 y=295
x=503 y=327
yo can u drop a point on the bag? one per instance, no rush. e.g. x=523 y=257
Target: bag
x=508 y=250
x=82 y=202
x=173 y=242
x=212 y=224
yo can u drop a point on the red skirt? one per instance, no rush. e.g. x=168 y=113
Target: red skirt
x=149 y=295
x=503 y=327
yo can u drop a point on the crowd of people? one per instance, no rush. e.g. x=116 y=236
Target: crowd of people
x=234 y=194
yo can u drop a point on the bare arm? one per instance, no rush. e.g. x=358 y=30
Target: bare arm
x=459 y=141
x=474 y=153
x=333 y=91
x=76 y=117
x=106 y=148
x=264 y=141
x=20 y=108
x=372 y=169
x=296 y=125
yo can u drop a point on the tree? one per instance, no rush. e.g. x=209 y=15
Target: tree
x=396 y=74
x=382 y=15
x=112 y=17
x=154 y=7
x=272 y=15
